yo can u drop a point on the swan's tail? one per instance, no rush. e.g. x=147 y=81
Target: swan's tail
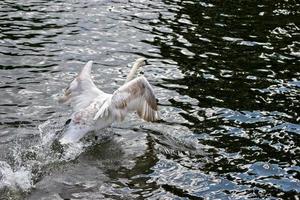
x=137 y=64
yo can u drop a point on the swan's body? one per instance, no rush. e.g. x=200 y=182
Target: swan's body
x=95 y=109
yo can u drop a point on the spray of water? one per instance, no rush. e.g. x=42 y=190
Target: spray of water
x=28 y=163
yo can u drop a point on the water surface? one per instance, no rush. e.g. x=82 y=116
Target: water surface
x=226 y=74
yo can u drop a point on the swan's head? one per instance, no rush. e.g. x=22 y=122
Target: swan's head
x=140 y=62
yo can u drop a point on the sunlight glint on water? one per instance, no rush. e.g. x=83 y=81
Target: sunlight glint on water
x=226 y=74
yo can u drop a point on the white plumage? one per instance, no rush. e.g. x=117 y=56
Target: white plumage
x=95 y=109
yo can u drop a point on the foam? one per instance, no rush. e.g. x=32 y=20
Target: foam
x=15 y=179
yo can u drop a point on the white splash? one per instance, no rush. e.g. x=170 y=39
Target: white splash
x=19 y=179
x=19 y=176
x=72 y=151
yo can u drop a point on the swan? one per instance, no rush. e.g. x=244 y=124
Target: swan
x=94 y=109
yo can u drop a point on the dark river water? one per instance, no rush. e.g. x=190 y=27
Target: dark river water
x=226 y=74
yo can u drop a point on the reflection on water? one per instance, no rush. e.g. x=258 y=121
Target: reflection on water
x=226 y=74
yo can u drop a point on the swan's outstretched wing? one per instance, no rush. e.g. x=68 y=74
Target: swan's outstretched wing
x=136 y=95
x=82 y=90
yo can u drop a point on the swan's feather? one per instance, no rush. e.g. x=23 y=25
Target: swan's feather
x=82 y=122
x=136 y=95
x=94 y=109
x=74 y=133
x=82 y=90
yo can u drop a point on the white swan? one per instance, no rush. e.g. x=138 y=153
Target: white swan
x=95 y=109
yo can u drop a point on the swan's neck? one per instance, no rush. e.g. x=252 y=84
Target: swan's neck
x=133 y=71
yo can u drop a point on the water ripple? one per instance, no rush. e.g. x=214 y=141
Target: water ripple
x=225 y=74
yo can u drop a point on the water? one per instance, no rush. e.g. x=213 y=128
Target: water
x=226 y=74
